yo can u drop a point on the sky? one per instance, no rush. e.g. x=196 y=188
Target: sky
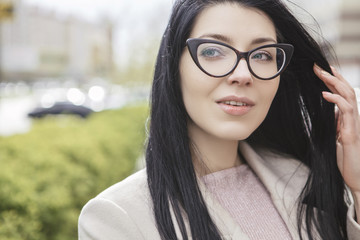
x=94 y=8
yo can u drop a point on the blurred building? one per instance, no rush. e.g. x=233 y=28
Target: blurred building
x=38 y=43
x=347 y=45
x=340 y=26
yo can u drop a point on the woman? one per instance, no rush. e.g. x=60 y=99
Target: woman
x=236 y=151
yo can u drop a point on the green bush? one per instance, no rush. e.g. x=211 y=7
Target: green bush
x=48 y=174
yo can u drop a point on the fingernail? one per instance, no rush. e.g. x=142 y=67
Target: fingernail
x=323 y=72
x=333 y=69
x=326 y=93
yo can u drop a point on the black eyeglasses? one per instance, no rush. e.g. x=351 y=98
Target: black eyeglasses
x=218 y=59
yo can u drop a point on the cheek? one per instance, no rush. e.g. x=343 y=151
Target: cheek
x=267 y=93
x=189 y=87
x=268 y=90
x=195 y=85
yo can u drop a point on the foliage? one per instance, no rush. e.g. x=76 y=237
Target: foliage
x=48 y=174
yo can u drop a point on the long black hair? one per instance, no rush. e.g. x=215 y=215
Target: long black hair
x=300 y=123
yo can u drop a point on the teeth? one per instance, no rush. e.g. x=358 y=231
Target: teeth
x=233 y=103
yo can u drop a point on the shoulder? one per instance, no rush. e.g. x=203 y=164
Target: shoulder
x=123 y=211
x=134 y=186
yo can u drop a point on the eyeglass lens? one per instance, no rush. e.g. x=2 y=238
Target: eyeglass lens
x=219 y=60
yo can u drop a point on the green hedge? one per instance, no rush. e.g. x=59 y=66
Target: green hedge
x=48 y=174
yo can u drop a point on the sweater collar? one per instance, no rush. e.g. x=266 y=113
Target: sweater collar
x=284 y=178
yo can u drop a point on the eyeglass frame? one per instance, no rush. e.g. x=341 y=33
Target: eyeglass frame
x=194 y=43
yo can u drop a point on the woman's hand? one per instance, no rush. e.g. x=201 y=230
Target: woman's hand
x=348 y=129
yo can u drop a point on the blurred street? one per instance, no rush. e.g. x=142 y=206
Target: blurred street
x=18 y=100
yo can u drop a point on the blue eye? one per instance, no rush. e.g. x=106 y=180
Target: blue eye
x=210 y=52
x=262 y=56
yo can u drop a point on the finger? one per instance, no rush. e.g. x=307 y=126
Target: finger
x=339 y=76
x=322 y=74
x=331 y=81
x=347 y=124
x=351 y=94
x=345 y=108
x=337 y=84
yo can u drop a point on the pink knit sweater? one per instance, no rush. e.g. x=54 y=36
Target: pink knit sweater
x=242 y=194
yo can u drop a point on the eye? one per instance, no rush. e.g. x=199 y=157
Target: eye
x=210 y=52
x=213 y=51
x=261 y=56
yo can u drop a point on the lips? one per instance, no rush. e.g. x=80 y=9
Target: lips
x=236 y=106
x=234 y=103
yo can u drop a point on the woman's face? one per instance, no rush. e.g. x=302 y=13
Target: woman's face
x=230 y=107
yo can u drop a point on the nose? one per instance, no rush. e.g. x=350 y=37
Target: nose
x=241 y=75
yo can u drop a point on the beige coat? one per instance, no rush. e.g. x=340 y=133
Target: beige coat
x=124 y=211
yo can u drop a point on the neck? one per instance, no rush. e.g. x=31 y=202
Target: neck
x=212 y=154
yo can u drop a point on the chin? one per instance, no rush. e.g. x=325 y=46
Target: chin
x=235 y=135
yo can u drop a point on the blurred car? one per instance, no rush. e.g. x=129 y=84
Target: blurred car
x=61 y=108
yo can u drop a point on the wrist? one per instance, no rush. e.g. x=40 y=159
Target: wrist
x=356 y=196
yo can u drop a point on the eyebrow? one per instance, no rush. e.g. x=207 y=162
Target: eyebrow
x=219 y=37
x=262 y=40
x=226 y=39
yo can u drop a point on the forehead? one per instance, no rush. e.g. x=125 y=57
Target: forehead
x=239 y=24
